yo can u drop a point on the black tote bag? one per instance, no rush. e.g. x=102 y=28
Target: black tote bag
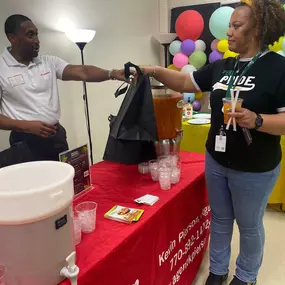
x=133 y=131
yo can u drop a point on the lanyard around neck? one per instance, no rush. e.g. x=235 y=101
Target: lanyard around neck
x=246 y=69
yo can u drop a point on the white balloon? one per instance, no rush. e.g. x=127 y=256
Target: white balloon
x=281 y=52
x=175 y=47
x=200 y=45
x=188 y=68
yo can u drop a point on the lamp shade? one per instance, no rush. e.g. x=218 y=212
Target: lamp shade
x=165 y=38
x=80 y=35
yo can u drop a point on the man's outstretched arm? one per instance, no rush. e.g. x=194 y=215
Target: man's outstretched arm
x=89 y=73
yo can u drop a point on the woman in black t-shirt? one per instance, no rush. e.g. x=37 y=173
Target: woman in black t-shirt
x=242 y=166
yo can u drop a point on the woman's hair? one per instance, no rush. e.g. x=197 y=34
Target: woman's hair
x=269 y=17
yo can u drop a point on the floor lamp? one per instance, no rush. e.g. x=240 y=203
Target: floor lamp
x=165 y=40
x=81 y=38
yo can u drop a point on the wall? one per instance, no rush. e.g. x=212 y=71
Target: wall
x=124 y=29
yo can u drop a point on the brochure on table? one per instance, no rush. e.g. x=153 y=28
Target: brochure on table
x=124 y=214
x=79 y=159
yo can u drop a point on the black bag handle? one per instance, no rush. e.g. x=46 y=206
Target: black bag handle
x=128 y=66
x=120 y=91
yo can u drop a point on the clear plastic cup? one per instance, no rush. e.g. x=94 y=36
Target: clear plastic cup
x=87 y=214
x=165 y=178
x=2 y=275
x=174 y=159
x=77 y=228
x=164 y=161
x=143 y=168
x=154 y=169
x=175 y=175
x=227 y=103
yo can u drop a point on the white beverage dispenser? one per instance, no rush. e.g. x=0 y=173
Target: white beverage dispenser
x=36 y=223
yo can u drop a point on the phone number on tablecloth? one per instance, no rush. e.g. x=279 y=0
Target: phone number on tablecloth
x=190 y=242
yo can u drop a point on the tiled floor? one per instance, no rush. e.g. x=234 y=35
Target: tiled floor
x=273 y=269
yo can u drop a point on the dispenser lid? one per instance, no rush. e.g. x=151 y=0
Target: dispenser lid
x=34 y=191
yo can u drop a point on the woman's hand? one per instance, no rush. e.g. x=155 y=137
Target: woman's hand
x=244 y=117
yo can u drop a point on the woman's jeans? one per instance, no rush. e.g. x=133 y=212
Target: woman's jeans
x=240 y=196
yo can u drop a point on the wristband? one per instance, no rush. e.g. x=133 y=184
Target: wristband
x=110 y=74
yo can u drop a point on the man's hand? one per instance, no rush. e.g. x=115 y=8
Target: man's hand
x=244 y=117
x=39 y=128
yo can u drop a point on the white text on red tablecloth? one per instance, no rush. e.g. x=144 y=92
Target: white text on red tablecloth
x=190 y=242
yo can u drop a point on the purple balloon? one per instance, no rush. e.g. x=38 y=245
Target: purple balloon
x=188 y=47
x=196 y=105
x=215 y=55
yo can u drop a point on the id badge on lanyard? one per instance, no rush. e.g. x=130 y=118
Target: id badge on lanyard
x=221 y=141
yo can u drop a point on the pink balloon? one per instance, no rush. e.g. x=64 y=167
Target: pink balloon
x=180 y=60
x=214 y=44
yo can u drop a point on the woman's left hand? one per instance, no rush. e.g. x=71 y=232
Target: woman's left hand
x=244 y=117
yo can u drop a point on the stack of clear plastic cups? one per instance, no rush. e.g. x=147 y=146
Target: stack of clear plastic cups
x=175 y=174
x=154 y=170
x=175 y=168
x=165 y=177
x=87 y=214
x=164 y=161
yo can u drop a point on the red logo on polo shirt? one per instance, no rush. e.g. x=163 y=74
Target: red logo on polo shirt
x=46 y=73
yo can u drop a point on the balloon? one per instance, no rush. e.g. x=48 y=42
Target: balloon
x=215 y=55
x=223 y=46
x=196 y=106
x=187 y=47
x=214 y=44
x=173 y=67
x=200 y=45
x=175 y=47
x=199 y=95
x=188 y=69
x=219 y=22
x=189 y=97
x=229 y=53
x=198 y=59
x=180 y=60
x=277 y=46
x=189 y=25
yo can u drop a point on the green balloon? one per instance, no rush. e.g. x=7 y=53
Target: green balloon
x=198 y=59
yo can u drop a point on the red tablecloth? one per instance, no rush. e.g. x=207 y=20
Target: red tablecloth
x=165 y=247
